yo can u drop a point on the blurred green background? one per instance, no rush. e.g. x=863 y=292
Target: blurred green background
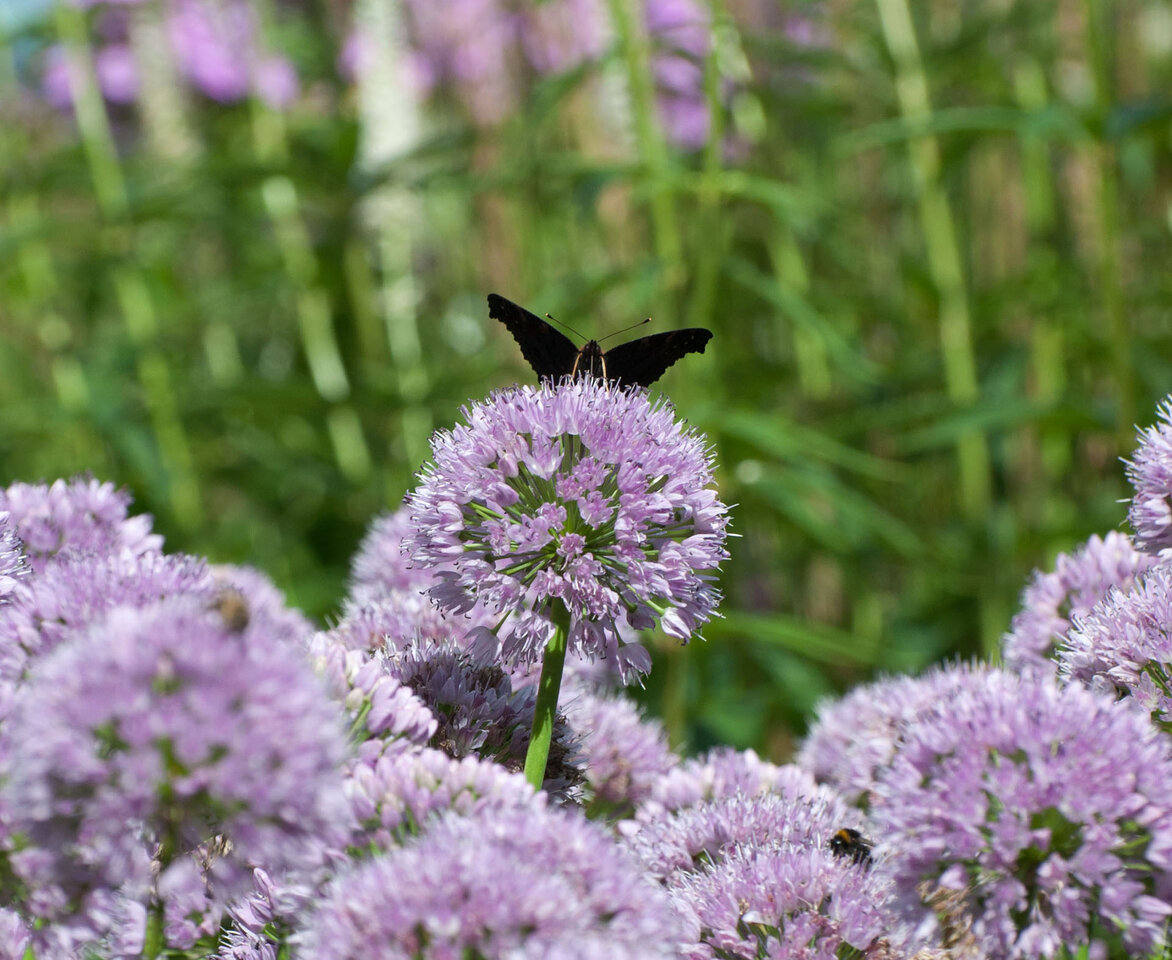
x=245 y=245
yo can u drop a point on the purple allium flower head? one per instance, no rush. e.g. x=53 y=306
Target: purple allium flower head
x=856 y=736
x=725 y=772
x=1150 y=472
x=625 y=753
x=515 y=882
x=81 y=514
x=578 y=493
x=787 y=900
x=163 y=726
x=705 y=832
x=1050 y=807
x=13 y=565
x=1053 y=600
x=1124 y=645
x=395 y=796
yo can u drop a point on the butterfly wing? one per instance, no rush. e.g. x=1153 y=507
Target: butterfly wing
x=645 y=360
x=549 y=352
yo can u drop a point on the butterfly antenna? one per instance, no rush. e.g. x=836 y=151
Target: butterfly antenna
x=550 y=316
x=625 y=329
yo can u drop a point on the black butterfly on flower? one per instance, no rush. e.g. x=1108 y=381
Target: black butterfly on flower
x=553 y=355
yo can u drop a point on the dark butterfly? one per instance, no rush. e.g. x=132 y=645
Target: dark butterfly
x=552 y=354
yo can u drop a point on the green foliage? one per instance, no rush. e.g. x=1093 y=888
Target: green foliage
x=933 y=250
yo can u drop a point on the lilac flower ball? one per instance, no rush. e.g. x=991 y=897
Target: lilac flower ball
x=76 y=590
x=580 y=494
x=1053 y=600
x=161 y=726
x=1124 y=645
x=82 y=514
x=625 y=754
x=519 y=882
x=855 y=737
x=1050 y=807
x=757 y=877
x=1150 y=472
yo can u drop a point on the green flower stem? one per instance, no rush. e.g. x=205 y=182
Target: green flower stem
x=548 y=688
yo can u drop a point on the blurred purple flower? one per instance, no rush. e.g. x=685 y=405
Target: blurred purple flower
x=519 y=882
x=481 y=50
x=163 y=726
x=215 y=44
x=681 y=31
x=1124 y=645
x=855 y=737
x=1049 y=808
x=14 y=935
x=1150 y=472
x=625 y=754
x=81 y=514
x=76 y=590
x=1053 y=600
x=578 y=493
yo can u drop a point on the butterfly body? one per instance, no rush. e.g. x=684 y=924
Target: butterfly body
x=552 y=354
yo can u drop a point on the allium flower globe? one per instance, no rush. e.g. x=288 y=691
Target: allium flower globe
x=80 y=514
x=1049 y=808
x=855 y=737
x=156 y=731
x=577 y=494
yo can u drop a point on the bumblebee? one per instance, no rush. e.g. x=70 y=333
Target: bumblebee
x=848 y=842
